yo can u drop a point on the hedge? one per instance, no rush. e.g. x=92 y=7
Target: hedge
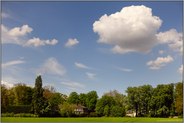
x=19 y=109
x=18 y=115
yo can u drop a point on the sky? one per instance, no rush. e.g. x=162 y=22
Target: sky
x=85 y=46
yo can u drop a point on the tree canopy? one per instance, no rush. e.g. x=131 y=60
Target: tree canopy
x=164 y=100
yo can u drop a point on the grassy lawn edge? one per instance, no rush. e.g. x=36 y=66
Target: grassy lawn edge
x=101 y=119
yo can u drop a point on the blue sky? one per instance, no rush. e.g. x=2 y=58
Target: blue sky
x=84 y=46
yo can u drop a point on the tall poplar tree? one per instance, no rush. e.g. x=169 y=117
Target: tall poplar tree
x=38 y=100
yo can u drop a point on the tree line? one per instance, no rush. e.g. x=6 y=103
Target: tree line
x=145 y=101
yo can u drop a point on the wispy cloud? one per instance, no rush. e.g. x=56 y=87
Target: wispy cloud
x=71 y=42
x=52 y=66
x=161 y=52
x=5 y=15
x=82 y=66
x=159 y=62
x=124 y=69
x=90 y=75
x=73 y=85
x=12 y=63
x=180 y=69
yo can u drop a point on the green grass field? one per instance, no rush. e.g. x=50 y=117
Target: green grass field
x=102 y=119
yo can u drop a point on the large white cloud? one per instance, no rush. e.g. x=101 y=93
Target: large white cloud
x=133 y=29
x=71 y=42
x=52 y=66
x=18 y=35
x=159 y=62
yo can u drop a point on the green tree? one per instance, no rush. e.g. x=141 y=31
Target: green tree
x=73 y=98
x=120 y=103
x=38 y=100
x=134 y=98
x=117 y=111
x=162 y=98
x=4 y=98
x=23 y=94
x=145 y=98
x=105 y=101
x=106 y=111
x=163 y=112
x=53 y=100
x=82 y=99
x=91 y=100
x=67 y=109
x=11 y=96
x=179 y=98
x=119 y=98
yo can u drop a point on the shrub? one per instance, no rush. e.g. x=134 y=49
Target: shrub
x=7 y=114
x=67 y=110
x=163 y=112
x=93 y=114
x=117 y=111
x=181 y=116
x=18 y=115
x=25 y=115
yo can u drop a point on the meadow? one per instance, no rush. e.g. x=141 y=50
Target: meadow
x=94 y=119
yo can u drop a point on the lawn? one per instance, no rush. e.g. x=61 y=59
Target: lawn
x=102 y=119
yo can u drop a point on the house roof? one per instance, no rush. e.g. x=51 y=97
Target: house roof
x=80 y=106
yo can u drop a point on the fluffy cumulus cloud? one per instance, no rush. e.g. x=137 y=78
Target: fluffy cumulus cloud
x=71 y=42
x=133 y=29
x=20 y=31
x=18 y=35
x=7 y=84
x=81 y=66
x=90 y=75
x=15 y=35
x=36 y=42
x=12 y=63
x=52 y=66
x=180 y=70
x=159 y=62
x=173 y=38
